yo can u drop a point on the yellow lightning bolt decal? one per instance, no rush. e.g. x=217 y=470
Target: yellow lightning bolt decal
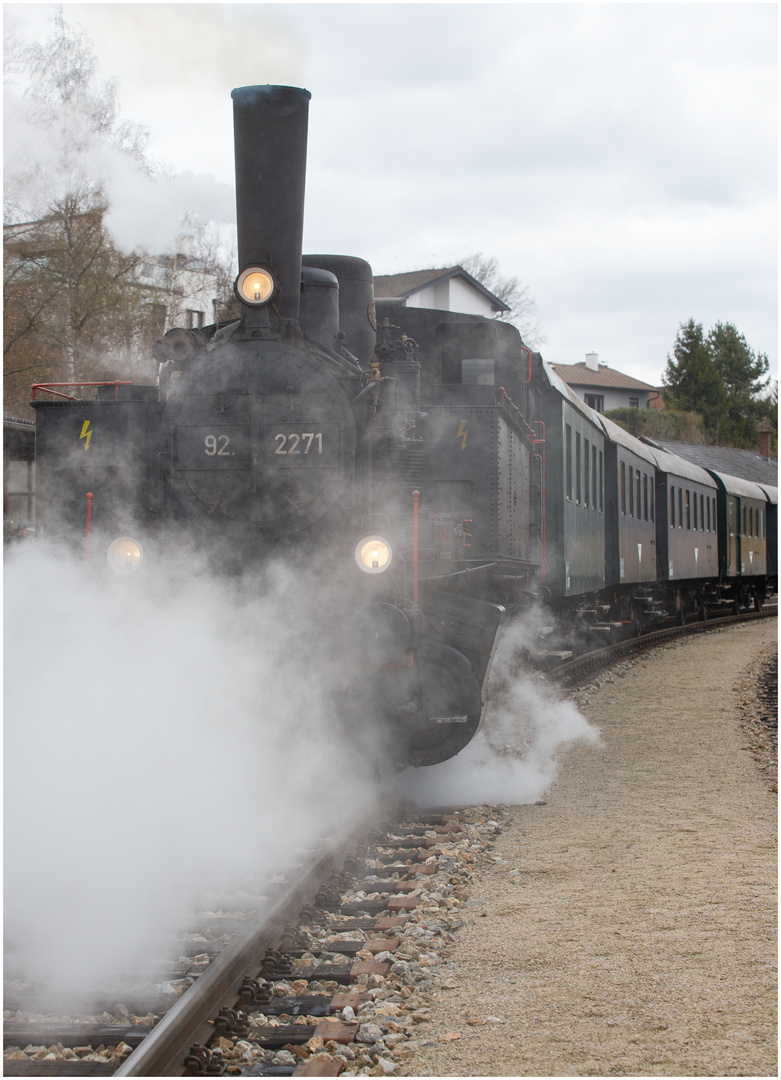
x=85 y=433
x=462 y=433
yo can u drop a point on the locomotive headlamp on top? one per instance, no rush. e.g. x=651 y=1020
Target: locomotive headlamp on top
x=125 y=555
x=255 y=286
x=373 y=554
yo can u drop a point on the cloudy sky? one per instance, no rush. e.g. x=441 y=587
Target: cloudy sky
x=620 y=159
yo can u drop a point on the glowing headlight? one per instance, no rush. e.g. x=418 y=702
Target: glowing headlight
x=125 y=555
x=373 y=554
x=255 y=285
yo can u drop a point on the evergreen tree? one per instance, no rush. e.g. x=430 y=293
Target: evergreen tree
x=692 y=381
x=743 y=375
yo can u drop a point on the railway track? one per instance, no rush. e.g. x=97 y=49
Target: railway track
x=571 y=672
x=325 y=974
x=312 y=984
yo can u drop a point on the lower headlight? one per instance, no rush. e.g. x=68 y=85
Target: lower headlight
x=125 y=555
x=373 y=554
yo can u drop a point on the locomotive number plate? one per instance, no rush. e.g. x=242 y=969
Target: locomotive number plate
x=299 y=446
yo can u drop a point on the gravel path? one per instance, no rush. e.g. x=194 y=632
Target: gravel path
x=626 y=926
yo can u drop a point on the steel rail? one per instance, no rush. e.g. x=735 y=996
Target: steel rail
x=190 y=1021
x=590 y=662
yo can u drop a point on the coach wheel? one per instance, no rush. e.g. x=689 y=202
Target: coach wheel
x=705 y=611
x=680 y=617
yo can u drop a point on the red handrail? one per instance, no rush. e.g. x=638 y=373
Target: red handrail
x=415 y=500
x=116 y=383
x=536 y=442
x=90 y=497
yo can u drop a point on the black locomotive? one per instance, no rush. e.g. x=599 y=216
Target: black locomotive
x=426 y=463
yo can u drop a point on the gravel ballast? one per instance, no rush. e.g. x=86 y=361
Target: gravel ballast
x=627 y=925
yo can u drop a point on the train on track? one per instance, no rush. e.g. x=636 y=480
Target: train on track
x=426 y=465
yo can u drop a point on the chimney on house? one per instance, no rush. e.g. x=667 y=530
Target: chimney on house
x=765 y=432
x=592 y=361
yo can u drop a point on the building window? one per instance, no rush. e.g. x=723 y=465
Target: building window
x=194 y=319
x=634 y=403
x=596 y=401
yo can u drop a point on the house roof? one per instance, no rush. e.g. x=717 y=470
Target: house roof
x=581 y=375
x=404 y=285
x=745 y=464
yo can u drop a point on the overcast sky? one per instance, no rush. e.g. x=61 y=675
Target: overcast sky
x=620 y=159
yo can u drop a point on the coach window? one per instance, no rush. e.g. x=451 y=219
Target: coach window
x=702 y=512
x=585 y=472
x=645 y=496
x=672 y=507
x=593 y=476
x=744 y=522
x=694 y=500
x=631 y=492
x=639 y=505
x=568 y=443
x=707 y=503
x=688 y=510
x=680 y=508
x=577 y=467
x=623 y=487
x=714 y=519
x=601 y=485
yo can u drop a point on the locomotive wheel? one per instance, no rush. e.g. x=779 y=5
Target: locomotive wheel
x=451 y=705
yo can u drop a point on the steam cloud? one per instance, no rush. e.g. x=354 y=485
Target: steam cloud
x=154 y=734
x=169 y=732
x=516 y=754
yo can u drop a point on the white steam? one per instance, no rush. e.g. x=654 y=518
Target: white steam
x=160 y=737
x=515 y=756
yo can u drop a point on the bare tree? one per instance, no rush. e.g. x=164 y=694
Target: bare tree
x=522 y=305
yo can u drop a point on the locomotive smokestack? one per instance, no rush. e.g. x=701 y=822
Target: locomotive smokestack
x=270 y=129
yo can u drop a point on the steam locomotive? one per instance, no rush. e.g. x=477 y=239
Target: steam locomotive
x=427 y=464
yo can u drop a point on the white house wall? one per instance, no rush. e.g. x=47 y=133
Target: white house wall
x=452 y=294
x=614 y=398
